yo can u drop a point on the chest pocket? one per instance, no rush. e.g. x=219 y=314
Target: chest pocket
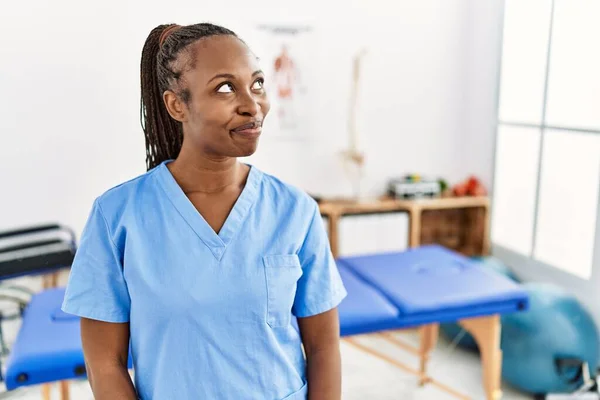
x=282 y=273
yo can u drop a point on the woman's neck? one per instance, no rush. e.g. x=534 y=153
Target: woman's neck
x=201 y=174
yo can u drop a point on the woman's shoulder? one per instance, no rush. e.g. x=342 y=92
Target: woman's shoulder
x=118 y=198
x=282 y=191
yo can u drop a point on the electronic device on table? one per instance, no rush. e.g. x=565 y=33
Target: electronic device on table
x=414 y=187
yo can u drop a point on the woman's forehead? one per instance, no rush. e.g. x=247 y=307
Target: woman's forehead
x=223 y=54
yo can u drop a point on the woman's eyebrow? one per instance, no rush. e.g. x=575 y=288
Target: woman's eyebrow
x=230 y=76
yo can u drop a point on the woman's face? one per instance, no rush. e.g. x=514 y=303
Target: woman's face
x=228 y=102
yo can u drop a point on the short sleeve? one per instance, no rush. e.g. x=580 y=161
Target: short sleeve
x=97 y=287
x=320 y=287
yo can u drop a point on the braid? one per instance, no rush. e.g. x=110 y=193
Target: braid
x=161 y=69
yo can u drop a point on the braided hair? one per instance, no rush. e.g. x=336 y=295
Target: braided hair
x=165 y=57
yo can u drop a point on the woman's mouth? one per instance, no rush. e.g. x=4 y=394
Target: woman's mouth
x=251 y=129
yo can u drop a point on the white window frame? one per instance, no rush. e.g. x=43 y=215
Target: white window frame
x=525 y=265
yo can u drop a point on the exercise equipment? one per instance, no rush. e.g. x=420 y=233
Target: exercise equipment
x=36 y=250
x=496 y=265
x=546 y=347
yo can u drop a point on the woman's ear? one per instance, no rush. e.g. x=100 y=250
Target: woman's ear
x=175 y=107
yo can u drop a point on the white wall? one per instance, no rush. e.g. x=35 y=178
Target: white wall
x=483 y=65
x=69 y=101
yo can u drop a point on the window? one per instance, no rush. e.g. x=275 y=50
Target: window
x=547 y=161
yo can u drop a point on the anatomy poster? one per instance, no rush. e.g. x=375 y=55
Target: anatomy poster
x=287 y=54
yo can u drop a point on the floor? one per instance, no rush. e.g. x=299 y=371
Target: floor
x=364 y=376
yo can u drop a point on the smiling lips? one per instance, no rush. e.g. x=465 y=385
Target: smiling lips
x=250 y=129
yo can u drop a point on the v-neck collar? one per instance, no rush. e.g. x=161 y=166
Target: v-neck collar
x=217 y=243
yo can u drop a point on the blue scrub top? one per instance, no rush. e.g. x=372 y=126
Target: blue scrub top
x=211 y=315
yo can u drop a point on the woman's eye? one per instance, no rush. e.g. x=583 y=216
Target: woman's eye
x=258 y=84
x=225 y=88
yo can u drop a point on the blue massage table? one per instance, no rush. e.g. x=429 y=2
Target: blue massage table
x=48 y=337
x=421 y=287
x=48 y=347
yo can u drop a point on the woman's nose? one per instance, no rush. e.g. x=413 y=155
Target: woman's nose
x=249 y=105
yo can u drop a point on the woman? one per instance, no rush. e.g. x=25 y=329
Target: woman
x=205 y=263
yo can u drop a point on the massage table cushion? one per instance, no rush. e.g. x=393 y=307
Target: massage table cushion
x=425 y=285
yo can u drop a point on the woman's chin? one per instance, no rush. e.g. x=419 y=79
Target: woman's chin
x=247 y=149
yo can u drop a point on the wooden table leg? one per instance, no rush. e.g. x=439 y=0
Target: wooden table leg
x=486 y=231
x=334 y=237
x=46 y=391
x=46 y=281
x=414 y=238
x=486 y=332
x=50 y=280
x=64 y=390
x=429 y=336
x=55 y=276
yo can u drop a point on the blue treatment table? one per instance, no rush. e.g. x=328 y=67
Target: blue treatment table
x=48 y=347
x=40 y=250
x=424 y=287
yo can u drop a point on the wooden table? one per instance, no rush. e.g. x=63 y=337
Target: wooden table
x=334 y=210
